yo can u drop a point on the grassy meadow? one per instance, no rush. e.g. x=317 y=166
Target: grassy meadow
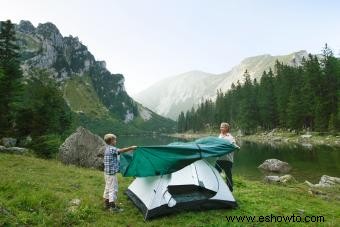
x=38 y=192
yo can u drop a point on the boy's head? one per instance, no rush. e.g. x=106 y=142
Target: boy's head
x=110 y=139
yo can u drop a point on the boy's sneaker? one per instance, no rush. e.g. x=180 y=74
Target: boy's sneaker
x=114 y=208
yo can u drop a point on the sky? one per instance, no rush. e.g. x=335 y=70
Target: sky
x=148 y=40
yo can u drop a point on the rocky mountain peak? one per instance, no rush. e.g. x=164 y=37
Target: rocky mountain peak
x=26 y=26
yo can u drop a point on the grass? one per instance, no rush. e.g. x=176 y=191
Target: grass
x=38 y=192
x=81 y=96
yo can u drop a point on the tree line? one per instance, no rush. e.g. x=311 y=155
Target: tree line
x=32 y=105
x=289 y=97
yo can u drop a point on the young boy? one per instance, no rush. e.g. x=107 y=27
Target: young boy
x=111 y=168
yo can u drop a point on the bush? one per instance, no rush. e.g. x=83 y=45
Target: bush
x=46 y=146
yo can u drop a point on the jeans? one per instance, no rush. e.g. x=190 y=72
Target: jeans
x=226 y=166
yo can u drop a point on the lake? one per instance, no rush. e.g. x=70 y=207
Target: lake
x=308 y=163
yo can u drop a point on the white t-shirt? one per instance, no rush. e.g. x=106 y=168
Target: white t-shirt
x=230 y=156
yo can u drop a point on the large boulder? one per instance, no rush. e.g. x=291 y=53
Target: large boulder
x=9 y=142
x=83 y=148
x=275 y=165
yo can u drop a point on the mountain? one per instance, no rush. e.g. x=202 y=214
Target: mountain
x=178 y=93
x=97 y=96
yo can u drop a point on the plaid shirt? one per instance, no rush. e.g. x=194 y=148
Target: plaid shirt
x=111 y=162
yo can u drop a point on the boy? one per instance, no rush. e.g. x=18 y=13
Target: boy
x=111 y=168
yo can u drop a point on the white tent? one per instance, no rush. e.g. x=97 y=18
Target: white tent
x=196 y=186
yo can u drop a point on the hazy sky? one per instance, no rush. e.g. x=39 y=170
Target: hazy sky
x=147 y=40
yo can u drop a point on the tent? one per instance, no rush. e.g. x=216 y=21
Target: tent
x=196 y=186
x=165 y=159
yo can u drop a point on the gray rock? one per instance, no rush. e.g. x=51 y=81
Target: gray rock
x=75 y=202
x=83 y=148
x=306 y=136
x=325 y=181
x=270 y=179
x=16 y=150
x=275 y=165
x=9 y=142
x=285 y=179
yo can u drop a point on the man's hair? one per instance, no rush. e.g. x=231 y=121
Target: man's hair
x=108 y=138
x=225 y=125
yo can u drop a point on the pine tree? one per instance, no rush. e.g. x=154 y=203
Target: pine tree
x=10 y=81
x=45 y=110
x=247 y=119
x=267 y=101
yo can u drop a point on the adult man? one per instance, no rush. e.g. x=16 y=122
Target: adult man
x=225 y=162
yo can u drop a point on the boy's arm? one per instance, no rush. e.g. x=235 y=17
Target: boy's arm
x=122 y=150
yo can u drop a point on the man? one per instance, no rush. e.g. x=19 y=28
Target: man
x=225 y=162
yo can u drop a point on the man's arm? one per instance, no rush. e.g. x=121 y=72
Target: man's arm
x=126 y=149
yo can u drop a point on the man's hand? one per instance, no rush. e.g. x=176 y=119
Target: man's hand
x=133 y=147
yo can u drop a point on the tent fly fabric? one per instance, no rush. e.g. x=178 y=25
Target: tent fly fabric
x=196 y=186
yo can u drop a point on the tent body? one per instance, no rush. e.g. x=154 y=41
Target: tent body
x=195 y=187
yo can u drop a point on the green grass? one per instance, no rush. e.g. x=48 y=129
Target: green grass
x=37 y=192
x=81 y=96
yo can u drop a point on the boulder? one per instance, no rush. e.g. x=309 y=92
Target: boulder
x=9 y=142
x=285 y=179
x=275 y=165
x=83 y=148
x=325 y=181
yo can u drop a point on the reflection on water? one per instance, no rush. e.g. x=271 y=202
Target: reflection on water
x=309 y=163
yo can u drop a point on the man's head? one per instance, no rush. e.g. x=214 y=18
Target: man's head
x=225 y=127
x=110 y=139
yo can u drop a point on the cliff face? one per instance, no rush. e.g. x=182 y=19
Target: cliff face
x=89 y=88
x=65 y=58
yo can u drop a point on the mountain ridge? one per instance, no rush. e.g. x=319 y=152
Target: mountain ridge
x=170 y=101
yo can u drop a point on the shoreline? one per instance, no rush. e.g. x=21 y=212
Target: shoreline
x=275 y=136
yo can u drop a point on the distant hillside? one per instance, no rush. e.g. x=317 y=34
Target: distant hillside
x=97 y=96
x=174 y=94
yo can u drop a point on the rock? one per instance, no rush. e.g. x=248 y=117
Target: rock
x=270 y=179
x=306 y=136
x=9 y=142
x=285 y=179
x=16 y=150
x=75 y=202
x=275 y=165
x=83 y=148
x=325 y=181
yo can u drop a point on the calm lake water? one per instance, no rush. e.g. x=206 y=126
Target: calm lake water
x=307 y=163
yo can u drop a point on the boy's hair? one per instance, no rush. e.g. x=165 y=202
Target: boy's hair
x=108 y=138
